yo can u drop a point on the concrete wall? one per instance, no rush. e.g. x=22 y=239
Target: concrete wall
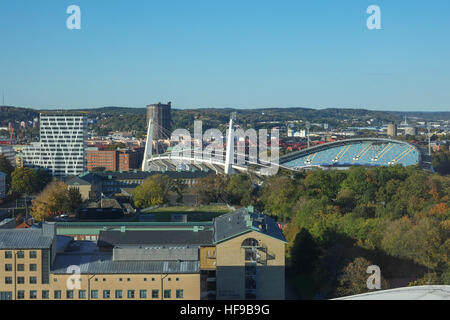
x=231 y=268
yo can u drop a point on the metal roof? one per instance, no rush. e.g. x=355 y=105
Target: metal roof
x=24 y=239
x=242 y=221
x=156 y=237
x=102 y=263
x=156 y=253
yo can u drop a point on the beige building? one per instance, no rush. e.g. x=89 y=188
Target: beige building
x=241 y=256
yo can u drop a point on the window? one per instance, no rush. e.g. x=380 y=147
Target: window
x=167 y=294
x=8 y=267
x=20 y=267
x=180 y=293
x=57 y=294
x=106 y=294
x=33 y=294
x=20 y=254
x=20 y=280
x=118 y=294
x=33 y=267
x=33 y=280
x=143 y=294
x=94 y=294
x=45 y=294
x=130 y=294
x=82 y=294
x=250 y=242
x=69 y=294
x=155 y=294
x=20 y=294
x=8 y=254
x=8 y=280
x=33 y=254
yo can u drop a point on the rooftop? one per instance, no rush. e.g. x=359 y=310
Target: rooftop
x=203 y=236
x=103 y=263
x=242 y=221
x=407 y=293
x=24 y=239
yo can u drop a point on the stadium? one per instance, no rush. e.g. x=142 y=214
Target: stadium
x=369 y=152
x=355 y=152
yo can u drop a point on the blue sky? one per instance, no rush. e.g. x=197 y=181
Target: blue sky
x=210 y=53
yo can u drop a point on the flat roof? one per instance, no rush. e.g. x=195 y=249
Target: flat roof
x=155 y=237
x=102 y=263
x=432 y=292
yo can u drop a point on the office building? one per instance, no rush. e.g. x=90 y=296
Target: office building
x=240 y=255
x=9 y=153
x=62 y=146
x=114 y=160
x=161 y=115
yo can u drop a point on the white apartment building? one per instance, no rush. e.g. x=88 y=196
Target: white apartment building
x=62 y=145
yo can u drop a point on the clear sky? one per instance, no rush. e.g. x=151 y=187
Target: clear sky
x=226 y=53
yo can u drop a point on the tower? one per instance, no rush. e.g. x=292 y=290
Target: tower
x=161 y=115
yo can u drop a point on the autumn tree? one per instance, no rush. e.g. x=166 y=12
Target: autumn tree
x=353 y=278
x=50 y=202
x=211 y=189
x=152 y=192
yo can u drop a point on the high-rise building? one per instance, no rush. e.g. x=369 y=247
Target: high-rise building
x=392 y=130
x=161 y=115
x=62 y=147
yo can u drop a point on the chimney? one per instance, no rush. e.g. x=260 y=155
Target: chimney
x=49 y=229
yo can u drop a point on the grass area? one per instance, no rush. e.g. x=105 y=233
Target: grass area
x=194 y=214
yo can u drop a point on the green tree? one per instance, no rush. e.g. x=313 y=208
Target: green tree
x=40 y=179
x=441 y=160
x=239 y=189
x=304 y=253
x=74 y=199
x=6 y=167
x=23 y=180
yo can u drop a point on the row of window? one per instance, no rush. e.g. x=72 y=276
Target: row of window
x=118 y=294
x=20 y=254
x=121 y=279
x=20 y=280
x=21 y=267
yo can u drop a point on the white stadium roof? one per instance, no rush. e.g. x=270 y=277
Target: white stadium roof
x=407 y=293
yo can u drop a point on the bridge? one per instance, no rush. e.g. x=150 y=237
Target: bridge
x=340 y=154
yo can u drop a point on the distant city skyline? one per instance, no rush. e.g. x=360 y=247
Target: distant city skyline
x=203 y=54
